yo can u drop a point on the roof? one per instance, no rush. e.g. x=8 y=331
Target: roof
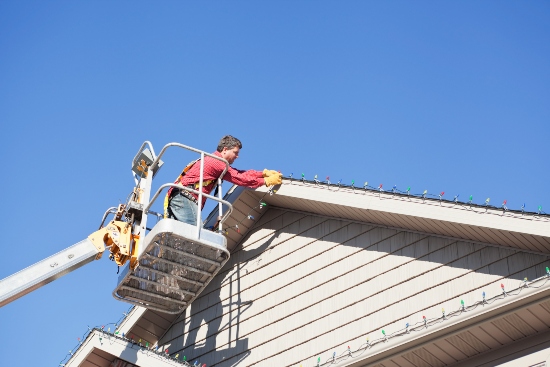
x=526 y=232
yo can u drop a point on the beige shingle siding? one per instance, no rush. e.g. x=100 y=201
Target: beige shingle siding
x=300 y=286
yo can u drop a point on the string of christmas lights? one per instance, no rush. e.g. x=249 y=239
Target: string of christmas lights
x=142 y=346
x=115 y=335
x=249 y=216
x=85 y=335
x=425 y=323
x=407 y=193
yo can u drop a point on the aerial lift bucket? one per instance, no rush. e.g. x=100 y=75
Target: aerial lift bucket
x=174 y=267
x=175 y=261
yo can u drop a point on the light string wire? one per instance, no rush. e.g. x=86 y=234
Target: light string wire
x=425 y=195
x=85 y=335
x=160 y=354
x=249 y=216
x=425 y=323
x=115 y=336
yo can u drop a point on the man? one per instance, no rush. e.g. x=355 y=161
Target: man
x=182 y=205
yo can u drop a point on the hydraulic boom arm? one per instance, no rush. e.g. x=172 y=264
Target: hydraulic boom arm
x=116 y=235
x=47 y=270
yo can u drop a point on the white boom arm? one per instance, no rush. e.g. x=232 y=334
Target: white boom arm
x=47 y=270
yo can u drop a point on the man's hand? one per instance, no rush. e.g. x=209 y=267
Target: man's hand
x=269 y=172
x=273 y=179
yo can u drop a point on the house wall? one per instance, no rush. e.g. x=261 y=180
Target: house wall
x=301 y=286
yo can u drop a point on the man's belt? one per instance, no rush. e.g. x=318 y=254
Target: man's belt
x=186 y=193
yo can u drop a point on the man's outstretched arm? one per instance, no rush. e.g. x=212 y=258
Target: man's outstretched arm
x=252 y=178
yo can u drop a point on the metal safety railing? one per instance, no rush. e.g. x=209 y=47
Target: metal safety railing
x=199 y=192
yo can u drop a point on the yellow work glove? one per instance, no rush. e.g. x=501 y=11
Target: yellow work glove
x=275 y=179
x=268 y=172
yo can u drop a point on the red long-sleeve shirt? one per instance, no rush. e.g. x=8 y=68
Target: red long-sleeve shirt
x=213 y=168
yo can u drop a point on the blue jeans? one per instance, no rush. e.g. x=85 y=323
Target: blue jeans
x=183 y=209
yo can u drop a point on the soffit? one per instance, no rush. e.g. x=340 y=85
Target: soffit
x=151 y=325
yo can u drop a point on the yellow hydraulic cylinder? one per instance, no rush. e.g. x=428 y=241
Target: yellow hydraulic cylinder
x=117 y=235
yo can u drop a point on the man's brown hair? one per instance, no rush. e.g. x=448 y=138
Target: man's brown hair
x=229 y=142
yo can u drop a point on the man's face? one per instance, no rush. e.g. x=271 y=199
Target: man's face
x=230 y=154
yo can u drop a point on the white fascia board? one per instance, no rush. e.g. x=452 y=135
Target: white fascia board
x=417 y=207
x=120 y=348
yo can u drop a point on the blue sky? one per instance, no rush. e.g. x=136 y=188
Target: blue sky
x=438 y=96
